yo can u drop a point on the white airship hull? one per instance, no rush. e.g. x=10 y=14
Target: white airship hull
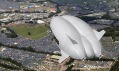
x=87 y=32
x=75 y=40
x=64 y=35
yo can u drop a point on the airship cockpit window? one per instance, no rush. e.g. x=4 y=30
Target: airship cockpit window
x=73 y=41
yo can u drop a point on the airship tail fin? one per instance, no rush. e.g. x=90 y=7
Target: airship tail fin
x=99 y=34
x=63 y=57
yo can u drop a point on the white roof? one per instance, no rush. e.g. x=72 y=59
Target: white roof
x=40 y=22
x=3 y=49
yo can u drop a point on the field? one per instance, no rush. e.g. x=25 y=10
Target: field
x=31 y=31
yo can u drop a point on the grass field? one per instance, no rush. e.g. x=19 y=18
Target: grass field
x=31 y=31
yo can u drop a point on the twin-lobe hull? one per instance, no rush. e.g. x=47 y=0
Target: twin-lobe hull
x=69 y=39
x=86 y=31
x=76 y=38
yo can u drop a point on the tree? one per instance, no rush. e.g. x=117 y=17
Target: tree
x=106 y=16
x=29 y=33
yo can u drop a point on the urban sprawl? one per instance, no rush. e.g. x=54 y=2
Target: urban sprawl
x=28 y=44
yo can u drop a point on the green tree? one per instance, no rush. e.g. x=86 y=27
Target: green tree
x=29 y=33
x=106 y=16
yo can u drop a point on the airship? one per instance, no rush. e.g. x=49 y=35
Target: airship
x=76 y=38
